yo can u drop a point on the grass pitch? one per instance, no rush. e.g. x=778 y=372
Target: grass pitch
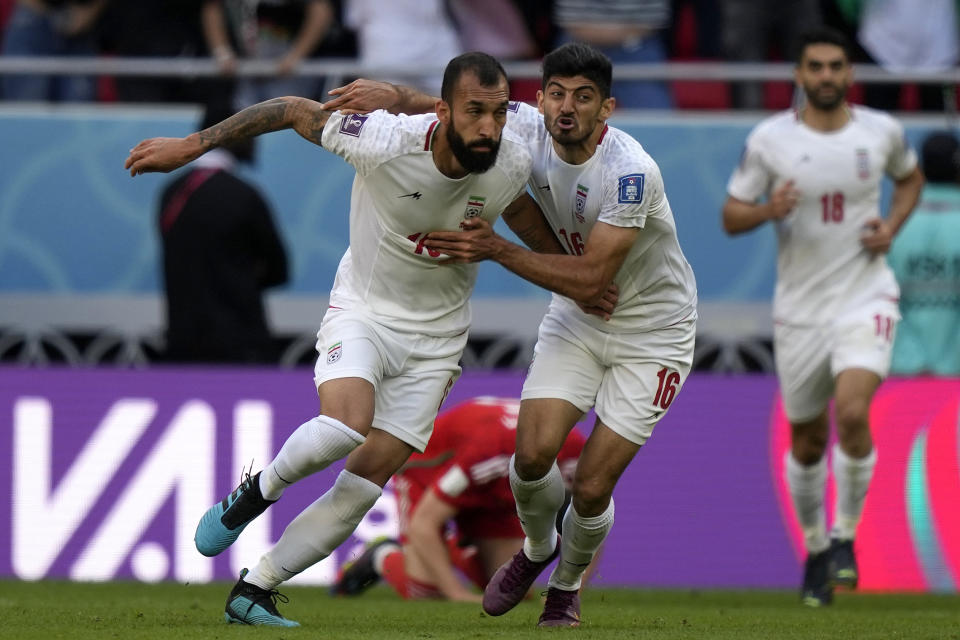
x=176 y=612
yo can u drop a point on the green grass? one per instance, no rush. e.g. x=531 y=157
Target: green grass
x=171 y=611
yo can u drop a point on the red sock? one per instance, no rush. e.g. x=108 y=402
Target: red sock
x=395 y=574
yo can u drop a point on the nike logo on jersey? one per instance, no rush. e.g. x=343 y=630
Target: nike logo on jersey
x=415 y=195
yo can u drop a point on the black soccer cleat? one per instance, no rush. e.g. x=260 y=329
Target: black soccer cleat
x=222 y=524
x=249 y=604
x=817 y=590
x=359 y=575
x=843 y=564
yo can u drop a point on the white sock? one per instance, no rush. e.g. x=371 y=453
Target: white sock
x=579 y=543
x=538 y=502
x=314 y=446
x=852 y=476
x=807 y=486
x=317 y=531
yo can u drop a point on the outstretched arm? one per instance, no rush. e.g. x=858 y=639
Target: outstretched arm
x=364 y=96
x=426 y=540
x=740 y=216
x=304 y=116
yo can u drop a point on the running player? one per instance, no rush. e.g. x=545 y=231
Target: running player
x=456 y=508
x=604 y=199
x=835 y=306
x=390 y=343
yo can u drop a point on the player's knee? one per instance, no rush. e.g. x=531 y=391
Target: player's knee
x=532 y=464
x=591 y=496
x=809 y=449
x=852 y=415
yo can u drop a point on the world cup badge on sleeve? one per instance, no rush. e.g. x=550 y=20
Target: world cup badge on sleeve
x=631 y=189
x=334 y=352
x=352 y=124
x=474 y=207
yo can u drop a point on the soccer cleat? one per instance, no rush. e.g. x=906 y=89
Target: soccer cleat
x=249 y=604
x=359 y=575
x=221 y=525
x=817 y=590
x=510 y=584
x=843 y=564
x=562 y=609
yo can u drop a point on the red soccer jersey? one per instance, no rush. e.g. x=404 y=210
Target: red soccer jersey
x=466 y=463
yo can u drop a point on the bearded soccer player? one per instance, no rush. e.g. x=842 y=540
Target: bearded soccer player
x=390 y=343
x=597 y=191
x=456 y=509
x=820 y=169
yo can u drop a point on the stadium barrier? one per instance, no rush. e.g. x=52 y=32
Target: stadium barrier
x=108 y=472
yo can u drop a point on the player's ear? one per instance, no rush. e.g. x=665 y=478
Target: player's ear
x=443 y=112
x=607 y=107
x=540 y=100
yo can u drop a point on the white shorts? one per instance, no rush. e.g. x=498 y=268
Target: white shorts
x=809 y=358
x=411 y=372
x=631 y=378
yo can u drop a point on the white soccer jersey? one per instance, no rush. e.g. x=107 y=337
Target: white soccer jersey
x=619 y=185
x=822 y=269
x=398 y=197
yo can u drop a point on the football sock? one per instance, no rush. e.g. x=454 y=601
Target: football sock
x=317 y=531
x=852 y=476
x=581 y=538
x=381 y=553
x=315 y=445
x=807 y=485
x=395 y=574
x=537 y=504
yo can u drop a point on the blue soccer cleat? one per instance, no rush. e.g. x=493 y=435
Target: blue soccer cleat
x=221 y=525
x=843 y=564
x=249 y=604
x=817 y=590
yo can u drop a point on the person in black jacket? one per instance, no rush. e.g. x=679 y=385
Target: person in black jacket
x=221 y=250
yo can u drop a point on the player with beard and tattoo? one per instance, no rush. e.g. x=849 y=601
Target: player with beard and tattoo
x=390 y=343
x=820 y=169
x=595 y=189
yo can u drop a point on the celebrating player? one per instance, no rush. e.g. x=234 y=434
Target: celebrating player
x=603 y=197
x=390 y=343
x=835 y=306
x=461 y=479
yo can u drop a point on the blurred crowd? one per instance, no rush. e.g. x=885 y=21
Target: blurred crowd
x=379 y=33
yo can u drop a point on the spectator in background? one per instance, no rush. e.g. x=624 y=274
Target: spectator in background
x=161 y=29
x=461 y=479
x=750 y=28
x=284 y=31
x=495 y=27
x=51 y=28
x=410 y=33
x=221 y=251
x=626 y=31
x=901 y=36
x=925 y=257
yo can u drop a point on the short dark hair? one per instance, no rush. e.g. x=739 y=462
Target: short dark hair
x=822 y=35
x=941 y=157
x=487 y=69
x=578 y=59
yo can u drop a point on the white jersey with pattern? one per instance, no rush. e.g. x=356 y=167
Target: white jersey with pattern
x=398 y=197
x=822 y=269
x=619 y=185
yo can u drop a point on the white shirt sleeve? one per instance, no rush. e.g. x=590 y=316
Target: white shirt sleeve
x=632 y=190
x=363 y=140
x=902 y=159
x=752 y=178
x=524 y=122
x=454 y=482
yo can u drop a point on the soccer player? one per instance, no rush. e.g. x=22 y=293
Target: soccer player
x=460 y=479
x=835 y=306
x=390 y=343
x=603 y=197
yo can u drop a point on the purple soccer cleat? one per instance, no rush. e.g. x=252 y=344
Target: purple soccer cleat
x=510 y=584
x=562 y=609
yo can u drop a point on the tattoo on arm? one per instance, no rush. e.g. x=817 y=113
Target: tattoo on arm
x=533 y=236
x=252 y=121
